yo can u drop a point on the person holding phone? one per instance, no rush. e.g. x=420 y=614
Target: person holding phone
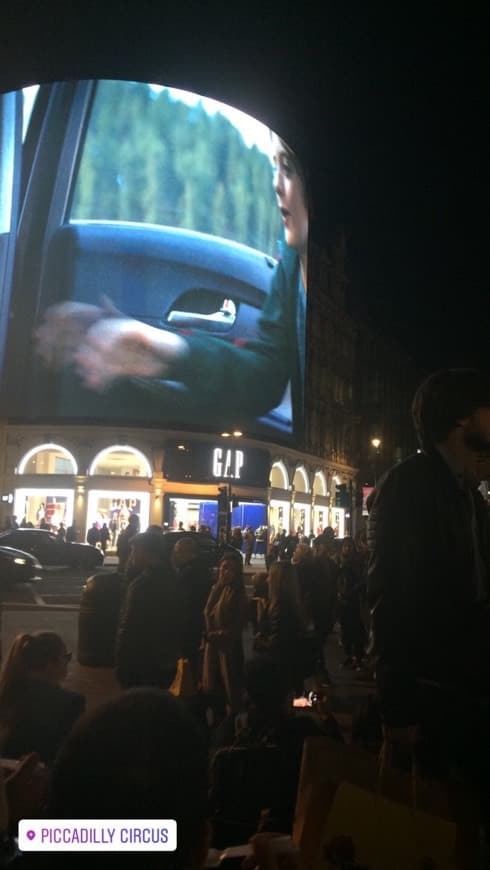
x=226 y=614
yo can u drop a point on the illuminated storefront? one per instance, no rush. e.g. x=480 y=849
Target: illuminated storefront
x=302 y=502
x=110 y=500
x=47 y=492
x=321 y=503
x=280 y=500
x=77 y=479
x=195 y=471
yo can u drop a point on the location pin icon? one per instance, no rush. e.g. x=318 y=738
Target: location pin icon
x=30 y=835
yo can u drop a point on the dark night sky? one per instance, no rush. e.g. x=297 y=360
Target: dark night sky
x=387 y=106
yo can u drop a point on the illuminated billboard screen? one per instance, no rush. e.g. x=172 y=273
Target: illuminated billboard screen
x=154 y=267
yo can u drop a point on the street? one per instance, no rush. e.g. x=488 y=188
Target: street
x=63 y=585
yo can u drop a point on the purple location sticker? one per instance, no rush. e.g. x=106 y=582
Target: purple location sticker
x=30 y=835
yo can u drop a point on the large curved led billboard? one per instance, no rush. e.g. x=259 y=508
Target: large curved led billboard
x=154 y=253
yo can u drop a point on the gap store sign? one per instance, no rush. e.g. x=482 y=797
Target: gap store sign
x=208 y=462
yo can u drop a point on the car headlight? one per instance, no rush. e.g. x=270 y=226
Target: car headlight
x=19 y=561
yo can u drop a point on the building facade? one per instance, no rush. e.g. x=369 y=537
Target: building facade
x=79 y=475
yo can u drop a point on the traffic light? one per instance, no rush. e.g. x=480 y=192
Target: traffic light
x=341 y=495
x=223 y=503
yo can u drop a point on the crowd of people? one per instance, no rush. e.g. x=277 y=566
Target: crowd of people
x=224 y=757
x=176 y=605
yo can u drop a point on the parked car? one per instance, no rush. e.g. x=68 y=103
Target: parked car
x=51 y=550
x=17 y=566
x=206 y=544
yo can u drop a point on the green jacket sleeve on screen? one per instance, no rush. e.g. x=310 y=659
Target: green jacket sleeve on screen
x=250 y=378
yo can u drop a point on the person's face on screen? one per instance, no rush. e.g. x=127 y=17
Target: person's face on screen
x=290 y=196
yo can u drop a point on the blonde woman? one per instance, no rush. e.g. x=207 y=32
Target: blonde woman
x=226 y=615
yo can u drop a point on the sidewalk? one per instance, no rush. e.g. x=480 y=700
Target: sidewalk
x=97 y=684
x=345 y=694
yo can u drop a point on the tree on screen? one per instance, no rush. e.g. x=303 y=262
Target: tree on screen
x=151 y=158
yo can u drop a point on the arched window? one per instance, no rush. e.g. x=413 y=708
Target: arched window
x=320 y=484
x=279 y=476
x=121 y=461
x=48 y=459
x=301 y=482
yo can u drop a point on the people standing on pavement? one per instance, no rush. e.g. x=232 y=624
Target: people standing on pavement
x=236 y=538
x=323 y=601
x=428 y=583
x=249 y=541
x=226 y=614
x=302 y=559
x=36 y=712
x=72 y=534
x=349 y=584
x=283 y=625
x=290 y=544
x=124 y=541
x=93 y=535
x=105 y=537
x=195 y=577
x=61 y=533
x=150 y=632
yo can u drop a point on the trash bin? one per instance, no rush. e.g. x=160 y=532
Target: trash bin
x=97 y=622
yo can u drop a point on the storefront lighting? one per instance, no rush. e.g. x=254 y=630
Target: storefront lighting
x=46 y=448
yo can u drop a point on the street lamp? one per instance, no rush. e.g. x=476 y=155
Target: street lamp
x=376 y=442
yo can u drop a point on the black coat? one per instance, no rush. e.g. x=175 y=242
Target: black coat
x=426 y=622
x=195 y=580
x=150 y=632
x=281 y=638
x=44 y=717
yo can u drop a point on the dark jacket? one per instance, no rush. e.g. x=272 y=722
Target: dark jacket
x=44 y=717
x=123 y=544
x=196 y=580
x=253 y=376
x=281 y=638
x=323 y=593
x=150 y=632
x=421 y=586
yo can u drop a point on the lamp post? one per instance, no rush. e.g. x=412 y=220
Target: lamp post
x=376 y=443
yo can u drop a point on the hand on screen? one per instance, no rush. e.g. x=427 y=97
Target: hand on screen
x=103 y=344
x=63 y=329
x=118 y=347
